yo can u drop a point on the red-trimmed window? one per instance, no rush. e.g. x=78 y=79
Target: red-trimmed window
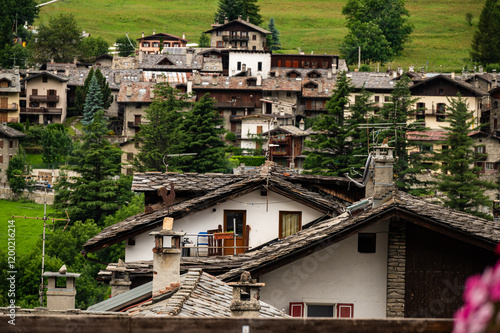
x=297 y=309
x=345 y=310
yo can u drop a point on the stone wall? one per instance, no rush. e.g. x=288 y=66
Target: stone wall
x=35 y=196
x=396 y=268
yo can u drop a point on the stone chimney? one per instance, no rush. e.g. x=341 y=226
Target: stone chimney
x=129 y=90
x=245 y=303
x=120 y=279
x=248 y=18
x=302 y=124
x=75 y=60
x=381 y=178
x=243 y=67
x=226 y=20
x=411 y=69
x=239 y=17
x=259 y=80
x=140 y=57
x=117 y=78
x=154 y=31
x=151 y=92
x=183 y=35
x=214 y=80
x=61 y=290
x=51 y=60
x=189 y=58
x=197 y=77
x=453 y=75
x=143 y=34
x=249 y=72
x=189 y=88
x=66 y=71
x=166 y=259
x=329 y=74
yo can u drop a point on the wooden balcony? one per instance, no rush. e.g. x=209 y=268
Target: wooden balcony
x=9 y=107
x=44 y=98
x=234 y=37
x=42 y=110
x=133 y=124
x=234 y=105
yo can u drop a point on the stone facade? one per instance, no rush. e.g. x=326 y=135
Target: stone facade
x=396 y=269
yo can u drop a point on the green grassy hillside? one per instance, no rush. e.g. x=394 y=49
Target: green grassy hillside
x=28 y=231
x=441 y=37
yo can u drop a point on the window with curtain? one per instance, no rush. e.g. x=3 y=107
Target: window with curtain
x=290 y=223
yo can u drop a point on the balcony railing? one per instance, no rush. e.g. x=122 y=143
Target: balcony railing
x=234 y=37
x=9 y=107
x=239 y=105
x=279 y=153
x=44 y=98
x=133 y=124
x=41 y=110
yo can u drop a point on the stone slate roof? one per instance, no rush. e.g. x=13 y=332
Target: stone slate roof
x=372 y=81
x=295 y=131
x=178 y=61
x=53 y=76
x=140 y=92
x=13 y=78
x=324 y=233
x=224 y=83
x=11 y=132
x=222 y=27
x=248 y=182
x=152 y=181
x=200 y=295
x=463 y=84
x=323 y=89
x=281 y=84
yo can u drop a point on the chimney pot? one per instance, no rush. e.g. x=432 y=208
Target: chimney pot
x=143 y=34
x=154 y=31
x=61 y=297
x=245 y=303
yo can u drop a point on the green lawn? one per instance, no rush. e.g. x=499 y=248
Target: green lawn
x=440 y=41
x=28 y=231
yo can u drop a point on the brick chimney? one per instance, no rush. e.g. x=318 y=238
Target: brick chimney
x=381 y=179
x=61 y=290
x=166 y=259
x=245 y=303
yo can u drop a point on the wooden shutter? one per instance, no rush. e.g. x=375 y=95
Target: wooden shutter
x=345 y=310
x=297 y=309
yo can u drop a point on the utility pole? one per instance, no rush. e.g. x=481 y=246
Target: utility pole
x=40 y=291
x=359 y=57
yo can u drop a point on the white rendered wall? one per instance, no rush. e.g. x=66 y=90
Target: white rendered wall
x=250 y=60
x=336 y=274
x=264 y=225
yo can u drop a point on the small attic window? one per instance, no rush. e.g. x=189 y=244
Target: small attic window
x=367 y=242
x=4 y=84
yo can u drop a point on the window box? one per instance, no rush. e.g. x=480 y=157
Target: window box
x=223 y=235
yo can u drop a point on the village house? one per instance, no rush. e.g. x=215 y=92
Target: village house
x=238 y=34
x=10 y=89
x=253 y=127
x=158 y=42
x=9 y=147
x=286 y=145
x=246 y=63
x=44 y=98
x=375 y=260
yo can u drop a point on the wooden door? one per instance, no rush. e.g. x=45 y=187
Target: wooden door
x=4 y=102
x=3 y=117
x=232 y=219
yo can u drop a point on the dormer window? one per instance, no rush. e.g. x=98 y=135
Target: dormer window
x=4 y=84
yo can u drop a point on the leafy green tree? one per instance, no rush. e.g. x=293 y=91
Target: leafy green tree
x=388 y=15
x=459 y=179
x=13 y=15
x=329 y=154
x=59 y=40
x=92 y=47
x=125 y=46
x=201 y=133
x=374 y=45
x=398 y=113
x=100 y=189
x=13 y=55
x=16 y=172
x=93 y=102
x=56 y=144
x=160 y=131
x=273 y=41
x=234 y=8
x=485 y=47
x=204 y=40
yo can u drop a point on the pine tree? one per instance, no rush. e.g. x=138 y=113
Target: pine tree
x=93 y=102
x=274 y=39
x=204 y=40
x=360 y=112
x=201 y=133
x=234 y=8
x=485 y=47
x=100 y=189
x=81 y=93
x=459 y=179
x=398 y=114
x=105 y=90
x=160 y=130
x=330 y=151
